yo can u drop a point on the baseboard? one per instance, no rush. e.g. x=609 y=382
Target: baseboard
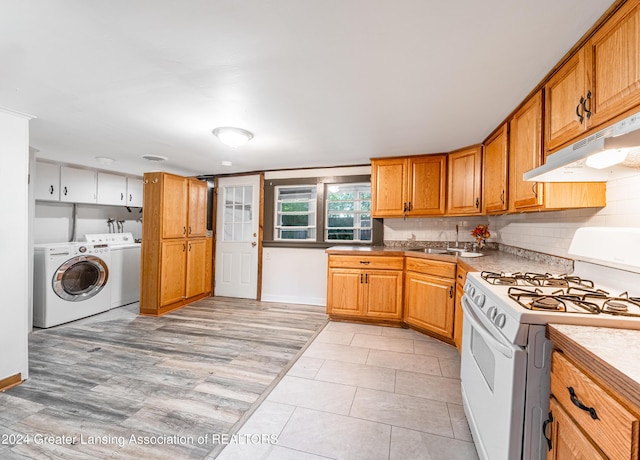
x=319 y=301
x=10 y=381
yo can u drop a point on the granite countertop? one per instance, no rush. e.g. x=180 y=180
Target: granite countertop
x=607 y=353
x=493 y=260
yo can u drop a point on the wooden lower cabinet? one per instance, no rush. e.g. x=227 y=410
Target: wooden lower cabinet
x=429 y=302
x=365 y=293
x=172 y=271
x=567 y=440
x=196 y=282
x=587 y=421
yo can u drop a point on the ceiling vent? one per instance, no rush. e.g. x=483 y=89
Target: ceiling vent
x=156 y=158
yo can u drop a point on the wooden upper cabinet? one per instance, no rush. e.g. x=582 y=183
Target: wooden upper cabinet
x=464 y=181
x=495 y=170
x=565 y=92
x=599 y=83
x=614 y=64
x=174 y=206
x=197 y=208
x=427 y=175
x=388 y=187
x=525 y=153
x=408 y=186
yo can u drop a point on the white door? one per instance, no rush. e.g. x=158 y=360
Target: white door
x=237 y=237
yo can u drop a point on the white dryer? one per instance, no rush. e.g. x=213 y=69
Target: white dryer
x=125 y=266
x=71 y=281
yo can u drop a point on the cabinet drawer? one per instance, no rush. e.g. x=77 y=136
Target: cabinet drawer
x=366 y=262
x=431 y=267
x=615 y=430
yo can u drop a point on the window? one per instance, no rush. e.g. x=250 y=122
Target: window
x=348 y=212
x=295 y=209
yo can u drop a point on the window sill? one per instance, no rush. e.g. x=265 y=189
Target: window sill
x=309 y=244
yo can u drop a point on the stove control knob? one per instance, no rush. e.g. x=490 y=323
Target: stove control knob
x=500 y=320
x=480 y=300
x=470 y=290
x=492 y=312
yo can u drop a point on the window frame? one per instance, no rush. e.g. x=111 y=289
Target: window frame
x=377 y=226
x=357 y=214
x=310 y=225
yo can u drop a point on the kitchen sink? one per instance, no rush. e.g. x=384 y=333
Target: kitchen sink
x=432 y=250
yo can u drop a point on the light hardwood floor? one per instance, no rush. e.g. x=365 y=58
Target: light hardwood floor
x=173 y=382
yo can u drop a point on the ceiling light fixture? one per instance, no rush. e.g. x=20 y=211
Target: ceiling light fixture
x=233 y=137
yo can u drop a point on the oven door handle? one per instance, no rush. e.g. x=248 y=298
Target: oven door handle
x=469 y=315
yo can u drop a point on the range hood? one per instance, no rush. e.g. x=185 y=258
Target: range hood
x=579 y=162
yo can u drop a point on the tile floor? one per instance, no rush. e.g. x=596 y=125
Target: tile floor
x=362 y=392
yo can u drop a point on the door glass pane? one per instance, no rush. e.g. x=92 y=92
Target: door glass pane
x=238 y=215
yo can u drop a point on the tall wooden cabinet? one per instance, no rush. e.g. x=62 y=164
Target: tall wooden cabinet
x=464 y=188
x=175 y=251
x=408 y=186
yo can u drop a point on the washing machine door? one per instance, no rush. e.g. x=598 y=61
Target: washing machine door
x=80 y=278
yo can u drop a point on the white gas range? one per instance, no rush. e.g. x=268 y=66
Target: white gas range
x=505 y=353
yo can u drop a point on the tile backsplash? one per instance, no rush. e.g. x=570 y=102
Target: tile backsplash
x=546 y=232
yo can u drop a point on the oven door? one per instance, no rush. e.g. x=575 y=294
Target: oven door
x=493 y=373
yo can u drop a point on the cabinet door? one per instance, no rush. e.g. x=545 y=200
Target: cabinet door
x=112 y=189
x=567 y=440
x=525 y=153
x=458 y=318
x=565 y=118
x=77 y=185
x=134 y=192
x=614 y=62
x=172 y=271
x=495 y=166
x=464 y=171
x=174 y=206
x=388 y=187
x=345 y=291
x=429 y=303
x=383 y=294
x=427 y=176
x=47 y=183
x=197 y=208
x=196 y=282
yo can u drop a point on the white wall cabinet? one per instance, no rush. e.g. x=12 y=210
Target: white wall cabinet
x=134 y=192
x=112 y=189
x=77 y=185
x=47 y=181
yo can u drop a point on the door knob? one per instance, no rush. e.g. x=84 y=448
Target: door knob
x=253 y=244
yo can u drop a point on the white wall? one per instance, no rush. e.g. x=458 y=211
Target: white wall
x=53 y=221
x=294 y=275
x=14 y=237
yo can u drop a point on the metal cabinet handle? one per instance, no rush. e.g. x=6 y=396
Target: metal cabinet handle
x=578 y=113
x=184 y=230
x=130 y=198
x=65 y=191
x=576 y=402
x=184 y=247
x=365 y=262
x=534 y=189
x=121 y=196
x=544 y=430
x=189 y=247
x=451 y=292
x=51 y=190
x=502 y=197
x=189 y=229
x=584 y=104
x=361 y=278
x=366 y=278
x=477 y=202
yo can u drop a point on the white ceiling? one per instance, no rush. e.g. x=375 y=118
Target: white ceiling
x=319 y=83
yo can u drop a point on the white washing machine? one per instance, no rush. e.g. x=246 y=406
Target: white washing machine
x=125 y=266
x=71 y=281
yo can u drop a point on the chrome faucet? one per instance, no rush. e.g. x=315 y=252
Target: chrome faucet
x=457 y=244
